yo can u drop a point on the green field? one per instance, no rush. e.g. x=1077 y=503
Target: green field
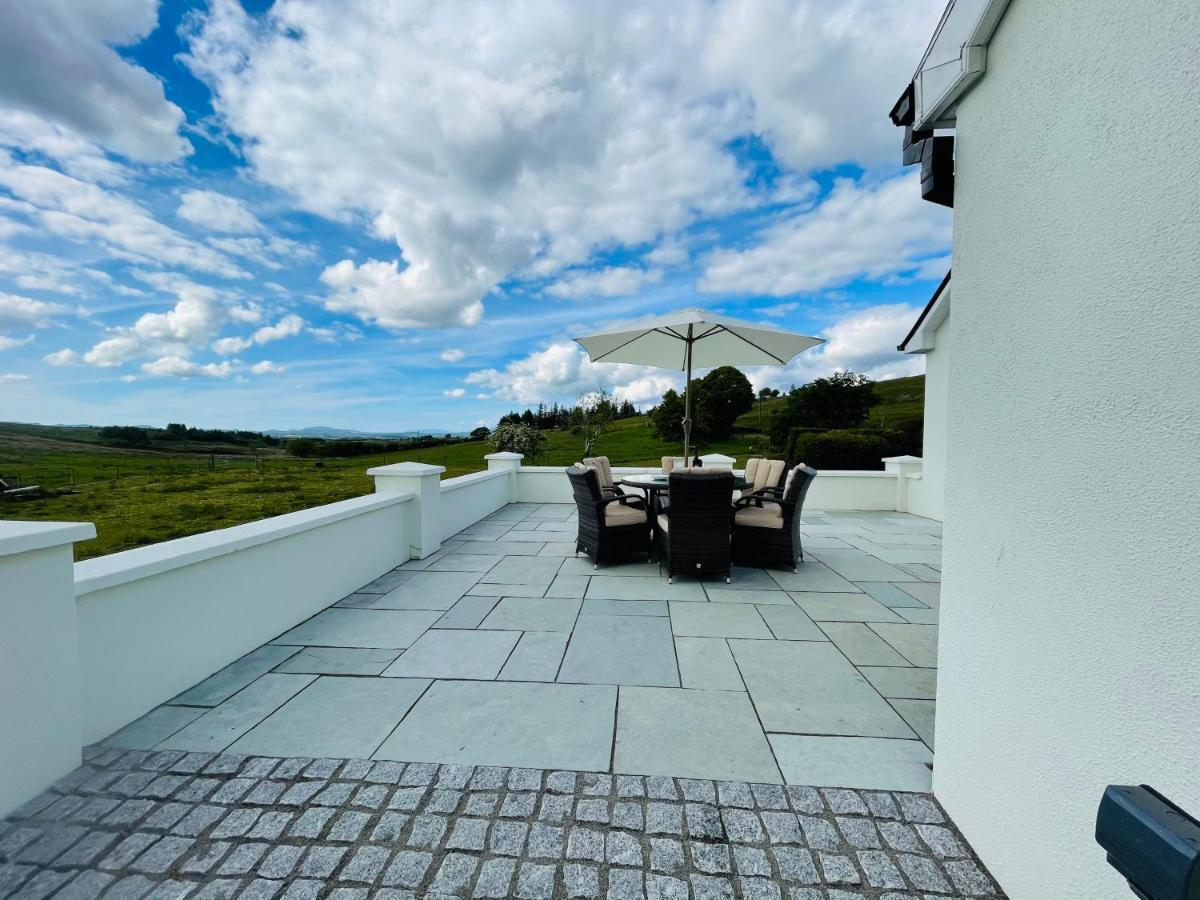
x=138 y=497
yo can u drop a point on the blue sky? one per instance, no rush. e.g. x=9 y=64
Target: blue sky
x=390 y=216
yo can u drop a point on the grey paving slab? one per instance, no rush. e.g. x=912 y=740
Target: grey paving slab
x=533 y=614
x=862 y=646
x=692 y=734
x=532 y=589
x=537 y=657
x=773 y=597
x=369 y=628
x=813 y=576
x=338 y=661
x=929 y=593
x=334 y=717
x=857 y=565
x=524 y=570
x=902 y=682
x=916 y=643
x=508 y=548
x=449 y=653
x=597 y=607
x=923 y=572
x=790 y=623
x=465 y=562
x=483 y=532
x=743 y=578
x=568 y=586
x=228 y=681
x=508 y=723
x=854 y=762
x=558 y=548
x=890 y=595
x=582 y=565
x=467 y=612
x=707 y=664
x=621 y=650
x=652 y=587
x=428 y=590
x=222 y=725
x=919 y=714
x=154 y=727
x=919 y=615
x=717 y=620
x=808 y=687
x=834 y=607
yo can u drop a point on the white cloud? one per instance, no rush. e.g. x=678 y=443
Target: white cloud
x=78 y=157
x=779 y=310
x=455 y=392
x=229 y=346
x=113 y=351
x=14 y=376
x=563 y=370
x=266 y=367
x=861 y=230
x=288 y=326
x=615 y=281
x=58 y=60
x=217 y=212
x=64 y=357
x=88 y=214
x=181 y=367
x=493 y=142
x=18 y=311
x=10 y=343
x=451 y=355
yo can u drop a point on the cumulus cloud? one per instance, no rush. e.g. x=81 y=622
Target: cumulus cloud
x=65 y=357
x=266 y=367
x=455 y=393
x=614 y=281
x=19 y=311
x=860 y=230
x=288 y=326
x=497 y=141
x=181 y=367
x=57 y=60
x=78 y=157
x=451 y=355
x=230 y=346
x=217 y=212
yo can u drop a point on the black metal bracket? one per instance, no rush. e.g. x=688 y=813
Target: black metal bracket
x=1153 y=843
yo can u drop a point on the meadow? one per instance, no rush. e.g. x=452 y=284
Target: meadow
x=139 y=497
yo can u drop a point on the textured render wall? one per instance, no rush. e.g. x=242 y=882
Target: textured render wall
x=1069 y=620
x=196 y=604
x=467 y=499
x=927 y=496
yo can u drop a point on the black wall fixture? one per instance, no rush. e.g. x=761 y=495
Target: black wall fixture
x=1153 y=843
x=935 y=154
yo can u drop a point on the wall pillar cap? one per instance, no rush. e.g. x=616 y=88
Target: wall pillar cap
x=504 y=454
x=902 y=459
x=407 y=469
x=22 y=537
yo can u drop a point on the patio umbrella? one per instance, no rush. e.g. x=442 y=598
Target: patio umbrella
x=694 y=337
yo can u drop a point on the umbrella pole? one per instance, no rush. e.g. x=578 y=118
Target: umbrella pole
x=687 y=402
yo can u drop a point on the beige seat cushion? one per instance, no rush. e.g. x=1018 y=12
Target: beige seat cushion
x=769 y=515
x=622 y=514
x=664 y=523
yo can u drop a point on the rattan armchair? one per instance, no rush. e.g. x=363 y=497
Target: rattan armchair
x=694 y=535
x=610 y=526
x=766 y=524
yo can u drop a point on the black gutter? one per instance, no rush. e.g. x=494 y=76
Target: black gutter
x=925 y=312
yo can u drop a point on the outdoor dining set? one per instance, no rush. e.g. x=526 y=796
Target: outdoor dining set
x=693 y=519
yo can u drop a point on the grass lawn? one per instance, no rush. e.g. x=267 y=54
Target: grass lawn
x=138 y=497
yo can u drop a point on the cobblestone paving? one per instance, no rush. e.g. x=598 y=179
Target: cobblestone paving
x=168 y=824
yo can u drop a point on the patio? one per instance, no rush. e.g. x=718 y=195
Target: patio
x=504 y=649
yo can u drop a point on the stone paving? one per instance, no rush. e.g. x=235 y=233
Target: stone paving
x=170 y=824
x=504 y=648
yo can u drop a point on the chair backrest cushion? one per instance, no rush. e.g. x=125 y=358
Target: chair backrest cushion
x=769 y=474
x=752 y=465
x=603 y=470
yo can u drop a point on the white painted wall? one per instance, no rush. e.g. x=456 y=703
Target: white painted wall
x=1069 y=620
x=156 y=620
x=926 y=496
x=468 y=498
x=39 y=668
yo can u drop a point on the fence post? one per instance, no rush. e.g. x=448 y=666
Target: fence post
x=41 y=732
x=508 y=462
x=422 y=481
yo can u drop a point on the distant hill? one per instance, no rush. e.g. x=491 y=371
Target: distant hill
x=322 y=431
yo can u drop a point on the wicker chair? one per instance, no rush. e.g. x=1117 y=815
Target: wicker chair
x=671 y=463
x=766 y=524
x=604 y=474
x=764 y=473
x=694 y=535
x=609 y=526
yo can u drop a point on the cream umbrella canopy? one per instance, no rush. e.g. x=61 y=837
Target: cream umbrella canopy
x=695 y=338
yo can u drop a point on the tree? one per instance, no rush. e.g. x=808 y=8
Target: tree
x=596 y=414
x=665 y=418
x=842 y=400
x=720 y=397
x=482 y=433
x=514 y=437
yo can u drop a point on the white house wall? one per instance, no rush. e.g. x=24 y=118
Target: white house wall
x=1069 y=618
x=926 y=496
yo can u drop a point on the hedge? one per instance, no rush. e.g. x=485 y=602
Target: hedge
x=846 y=448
